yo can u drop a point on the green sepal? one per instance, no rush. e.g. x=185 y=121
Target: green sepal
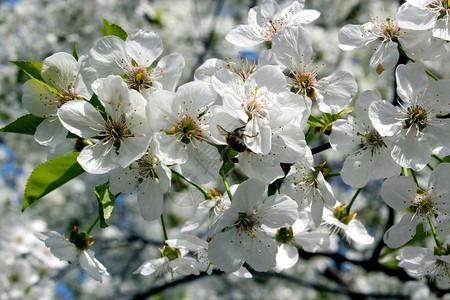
x=74 y=51
x=50 y=176
x=32 y=68
x=226 y=168
x=113 y=29
x=106 y=201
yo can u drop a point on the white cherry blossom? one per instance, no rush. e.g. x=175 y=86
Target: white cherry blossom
x=292 y=47
x=67 y=79
x=67 y=250
x=133 y=59
x=265 y=21
x=120 y=139
x=415 y=126
x=241 y=230
x=368 y=153
x=402 y=192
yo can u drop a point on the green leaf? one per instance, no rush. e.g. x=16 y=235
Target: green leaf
x=106 y=202
x=25 y=125
x=49 y=176
x=113 y=29
x=32 y=68
x=74 y=52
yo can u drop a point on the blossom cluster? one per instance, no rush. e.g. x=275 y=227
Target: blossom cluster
x=121 y=108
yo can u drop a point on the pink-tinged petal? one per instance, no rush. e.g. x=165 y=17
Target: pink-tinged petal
x=50 y=132
x=354 y=36
x=398 y=192
x=59 y=70
x=416 y=18
x=261 y=254
x=98 y=158
x=38 y=99
x=292 y=47
x=356 y=170
x=401 y=233
x=168 y=71
x=343 y=137
x=358 y=233
x=144 y=47
x=109 y=57
x=384 y=58
x=334 y=92
x=386 y=118
x=92 y=266
x=123 y=180
x=243 y=36
x=225 y=251
x=81 y=118
x=150 y=199
x=411 y=82
x=287 y=257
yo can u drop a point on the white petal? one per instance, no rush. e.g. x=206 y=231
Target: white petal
x=386 y=118
x=343 y=137
x=411 y=81
x=400 y=233
x=38 y=99
x=354 y=36
x=413 y=17
x=153 y=266
x=356 y=169
x=287 y=257
x=92 y=266
x=384 y=58
x=194 y=97
x=336 y=91
x=150 y=199
x=50 y=132
x=98 y=159
x=123 y=180
x=243 y=36
x=225 y=252
x=144 y=46
x=358 y=233
x=59 y=70
x=398 y=192
x=109 y=56
x=261 y=255
x=208 y=68
x=81 y=118
x=168 y=71
x=131 y=149
x=292 y=47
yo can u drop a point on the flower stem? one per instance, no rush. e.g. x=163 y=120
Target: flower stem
x=438 y=158
x=430 y=167
x=433 y=230
x=414 y=176
x=92 y=225
x=403 y=52
x=204 y=192
x=405 y=172
x=225 y=183
x=349 y=206
x=164 y=227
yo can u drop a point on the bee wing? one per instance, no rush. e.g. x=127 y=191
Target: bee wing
x=222 y=131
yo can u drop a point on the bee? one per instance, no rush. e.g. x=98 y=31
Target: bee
x=235 y=140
